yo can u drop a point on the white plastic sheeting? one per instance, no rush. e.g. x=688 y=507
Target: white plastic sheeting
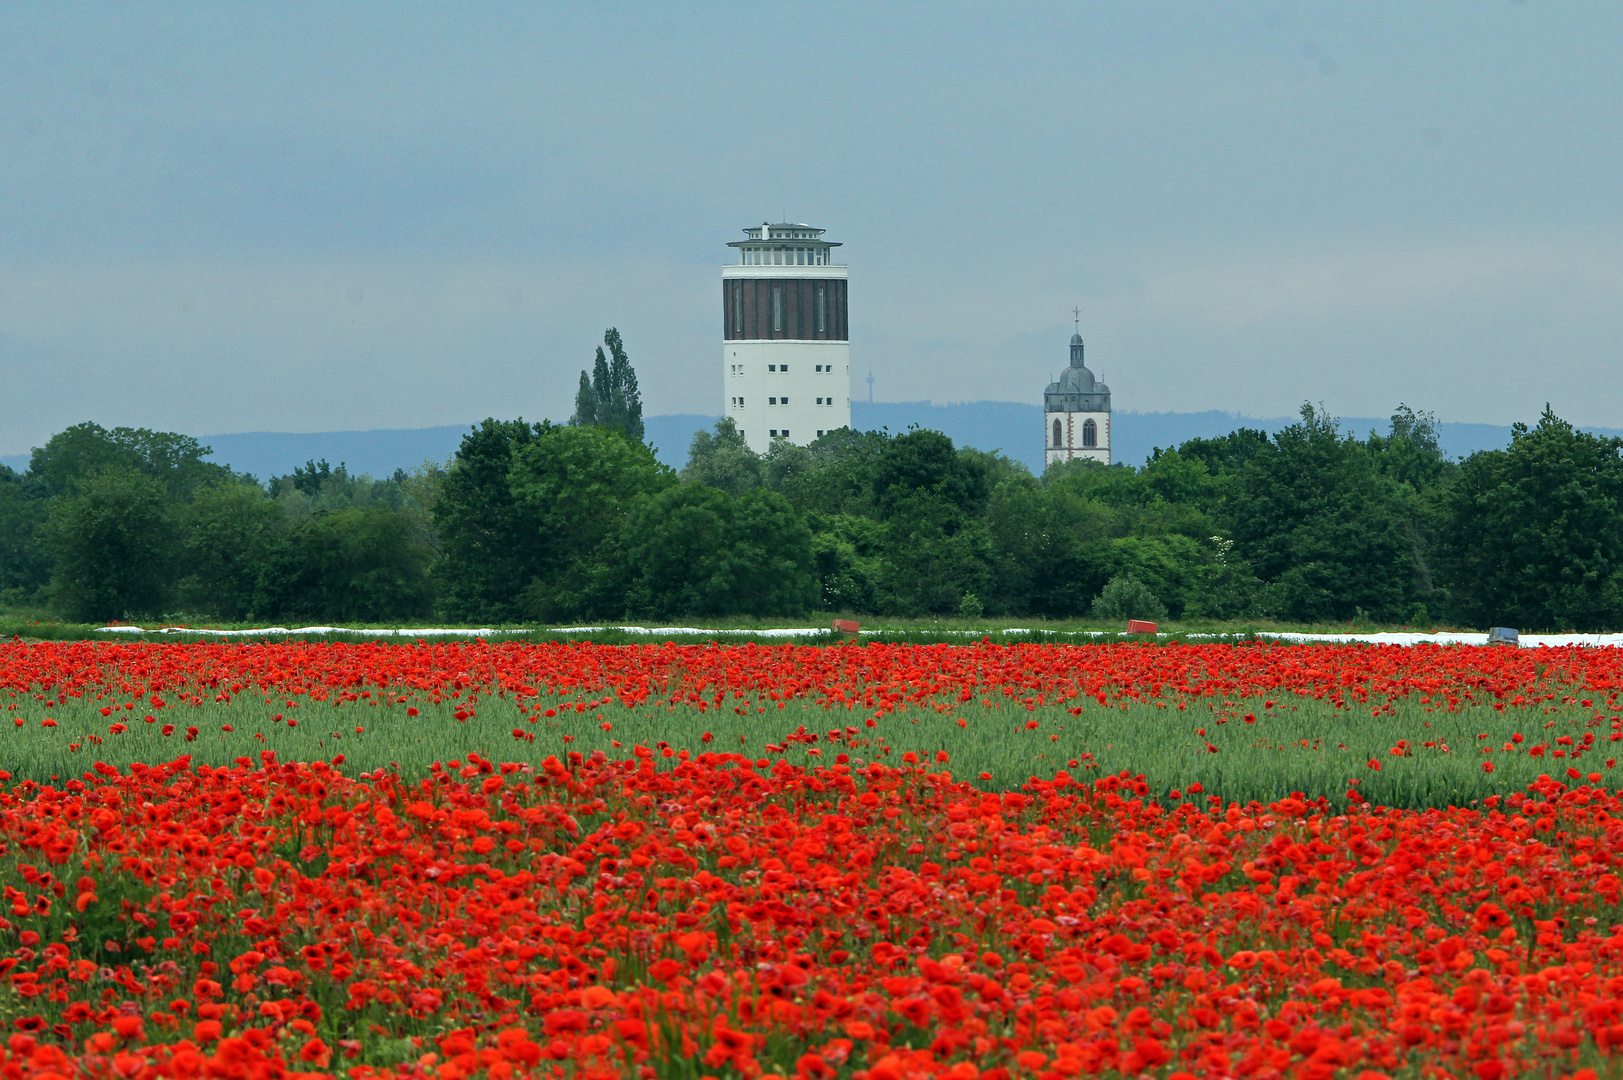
x=1527 y=640
x=265 y=630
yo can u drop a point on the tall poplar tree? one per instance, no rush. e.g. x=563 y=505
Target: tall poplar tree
x=609 y=396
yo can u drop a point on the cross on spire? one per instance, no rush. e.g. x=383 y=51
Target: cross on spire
x=1076 y=312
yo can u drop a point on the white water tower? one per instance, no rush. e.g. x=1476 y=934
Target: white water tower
x=786 y=352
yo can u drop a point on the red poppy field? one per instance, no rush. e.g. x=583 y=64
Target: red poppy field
x=865 y=860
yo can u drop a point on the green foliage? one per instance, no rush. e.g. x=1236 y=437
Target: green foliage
x=1048 y=543
x=1167 y=566
x=361 y=563
x=492 y=544
x=693 y=550
x=112 y=539
x=848 y=561
x=722 y=460
x=1125 y=597
x=1317 y=519
x=576 y=487
x=580 y=523
x=925 y=463
x=1410 y=453
x=933 y=555
x=1224 y=588
x=1534 y=534
x=309 y=478
x=610 y=398
x=25 y=561
x=230 y=534
x=840 y=477
x=82 y=451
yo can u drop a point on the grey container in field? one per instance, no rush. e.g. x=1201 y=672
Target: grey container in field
x=1503 y=635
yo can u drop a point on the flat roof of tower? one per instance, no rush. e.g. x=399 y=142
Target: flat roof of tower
x=753 y=234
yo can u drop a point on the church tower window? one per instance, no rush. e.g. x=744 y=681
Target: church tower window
x=1056 y=433
x=1090 y=433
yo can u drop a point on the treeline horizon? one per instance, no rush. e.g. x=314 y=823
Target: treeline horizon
x=549 y=523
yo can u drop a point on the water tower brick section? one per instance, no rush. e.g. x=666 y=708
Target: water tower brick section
x=786 y=352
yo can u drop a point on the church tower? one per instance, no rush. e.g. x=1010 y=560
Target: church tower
x=1076 y=414
x=786 y=351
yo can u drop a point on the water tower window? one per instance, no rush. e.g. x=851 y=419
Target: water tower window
x=777 y=307
x=821 y=319
x=738 y=307
x=1090 y=433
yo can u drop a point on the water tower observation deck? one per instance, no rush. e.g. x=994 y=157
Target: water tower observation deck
x=784 y=244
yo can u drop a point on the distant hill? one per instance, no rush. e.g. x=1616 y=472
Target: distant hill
x=1015 y=428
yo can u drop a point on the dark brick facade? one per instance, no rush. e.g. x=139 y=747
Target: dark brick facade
x=749 y=306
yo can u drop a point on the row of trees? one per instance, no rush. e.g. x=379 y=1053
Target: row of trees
x=549 y=523
x=128 y=523
x=1310 y=525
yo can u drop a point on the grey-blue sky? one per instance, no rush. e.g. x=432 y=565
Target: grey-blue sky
x=239 y=217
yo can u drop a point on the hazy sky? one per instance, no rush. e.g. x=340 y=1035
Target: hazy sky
x=234 y=217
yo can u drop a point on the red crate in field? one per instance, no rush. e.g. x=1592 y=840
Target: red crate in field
x=1140 y=626
x=846 y=626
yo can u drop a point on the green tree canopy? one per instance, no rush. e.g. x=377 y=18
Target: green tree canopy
x=1317 y=520
x=609 y=397
x=25 y=561
x=357 y=564
x=175 y=461
x=1533 y=535
x=492 y=544
x=693 y=550
x=1410 y=452
x=722 y=460
x=575 y=485
x=113 y=540
x=230 y=535
x=925 y=462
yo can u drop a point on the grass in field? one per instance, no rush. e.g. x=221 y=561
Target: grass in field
x=1251 y=749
